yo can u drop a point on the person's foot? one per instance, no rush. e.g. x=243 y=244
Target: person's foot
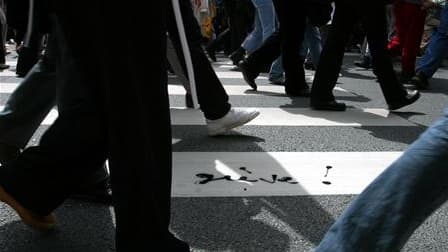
x=405 y=77
x=297 y=92
x=308 y=65
x=8 y=153
x=3 y=66
x=366 y=63
x=189 y=101
x=211 y=53
x=100 y=192
x=248 y=75
x=328 y=105
x=411 y=97
x=237 y=55
x=234 y=118
x=39 y=222
x=420 y=81
x=277 y=80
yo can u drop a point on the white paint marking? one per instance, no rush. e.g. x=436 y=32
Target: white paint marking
x=289 y=117
x=303 y=117
x=351 y=172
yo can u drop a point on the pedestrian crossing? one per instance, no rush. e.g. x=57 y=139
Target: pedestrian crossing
x=224 y=173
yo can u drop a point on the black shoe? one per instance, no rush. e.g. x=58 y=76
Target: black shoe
x=297 y=92
x=405 y=77
x=248 y=75
x=411 y=97
x=3 y=66
x=308 y=65
x=420 y=81
x=237 y=55
x=211 y=54
x=328 y=105
x=189 y=101
x=100 y=192
x=8 y=153
x=364 y=63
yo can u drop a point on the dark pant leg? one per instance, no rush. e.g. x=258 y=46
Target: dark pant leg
x=29 y=54
x=376 y=26
x=238 y=21
x=221 y=41
x=292 y=18
x=2 y=40
x=263 y=57
x=327 y=72
x=72 y=148
x=28 y=105
x=138 y=120
x=212 y=96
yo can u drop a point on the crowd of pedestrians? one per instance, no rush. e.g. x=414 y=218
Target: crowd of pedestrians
x=278 y=37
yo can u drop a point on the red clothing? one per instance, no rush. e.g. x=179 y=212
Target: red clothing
x=409 y=26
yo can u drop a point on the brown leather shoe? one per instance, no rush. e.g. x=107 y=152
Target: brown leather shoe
x=39 y=222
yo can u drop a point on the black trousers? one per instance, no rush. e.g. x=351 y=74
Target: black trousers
x=373 y=16
x=240 y=13
x=292 y=17
x=127 y=123
x=263 y=57
x=212 y=96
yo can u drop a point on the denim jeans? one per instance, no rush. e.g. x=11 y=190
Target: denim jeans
x=264 y=25
x=312 y=42
x=437 y=49
x=386 y=213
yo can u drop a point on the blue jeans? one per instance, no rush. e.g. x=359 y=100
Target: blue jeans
x=386 y=213
x=312 y=41
x=437 y=49
x=264 y=25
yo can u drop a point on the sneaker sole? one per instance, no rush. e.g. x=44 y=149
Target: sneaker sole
x=234 y=125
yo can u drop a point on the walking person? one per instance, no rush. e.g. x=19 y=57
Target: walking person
x=3 y=32
x=137 y=143
x=213 y=99
x=347 y=14
x=434 y=55
x=397 y=202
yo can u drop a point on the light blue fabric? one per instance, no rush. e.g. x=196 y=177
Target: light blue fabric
x=387 y=212
x=437 y=49
x=264 y=25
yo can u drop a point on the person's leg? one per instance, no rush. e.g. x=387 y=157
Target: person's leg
x=263 y=57
x=330 y=62
x=314 y=42
x=389 y=210
x=415 y=18
x=220 y=40
x=139 y=140
x=212 y=96
x=292 y=18
x=437 y=50
x=3 y=29
x=394 y=92
x=400 y=25
x=255 y=38
x=266 y=13
x=28 y=105
x=33 y=99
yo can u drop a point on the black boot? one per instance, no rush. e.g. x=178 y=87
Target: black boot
x=237 y=55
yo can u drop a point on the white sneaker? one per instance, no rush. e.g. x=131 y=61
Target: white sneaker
x=233 y=119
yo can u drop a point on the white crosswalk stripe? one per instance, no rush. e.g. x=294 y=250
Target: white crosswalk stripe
x=234 y=174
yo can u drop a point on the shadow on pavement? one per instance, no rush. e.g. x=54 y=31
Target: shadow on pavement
x=81 y=227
